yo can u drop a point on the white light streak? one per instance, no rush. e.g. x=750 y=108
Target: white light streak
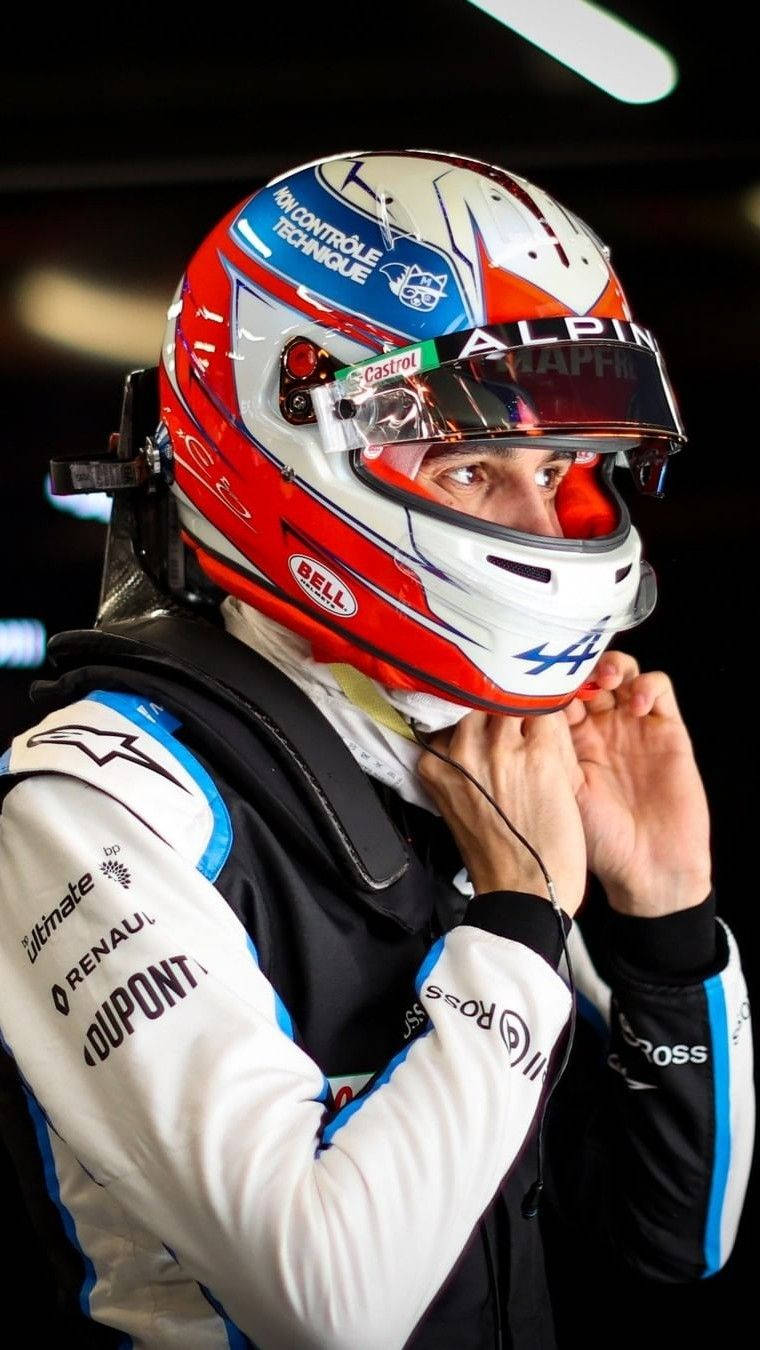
x=253 y=238
x=22 y=643
x=312 y=299
x=84 y=505
x=598 y=45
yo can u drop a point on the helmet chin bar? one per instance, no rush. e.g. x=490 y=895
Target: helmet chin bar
x=146 y=568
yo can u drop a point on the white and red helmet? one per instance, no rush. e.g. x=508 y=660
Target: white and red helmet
x=367 y=308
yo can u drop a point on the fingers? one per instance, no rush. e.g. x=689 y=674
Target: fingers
x=484 y=736
x=552 y=731
x=621 y=685
x=614 y=668
x=525 y=767
x=575 y=712
x=651 y=693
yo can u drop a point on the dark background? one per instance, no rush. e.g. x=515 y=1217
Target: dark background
x=124 y=139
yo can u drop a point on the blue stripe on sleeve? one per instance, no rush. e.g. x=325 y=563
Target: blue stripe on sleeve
x=160 y=724
x=716 y=1012
x=591 y=1014
x=54 y=1191
x=235 y=1337
x=428 y=963
x=284 y=1020
x=343 y=1116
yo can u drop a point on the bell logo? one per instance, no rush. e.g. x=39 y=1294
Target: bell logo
x=60 y=999
x=322 y=585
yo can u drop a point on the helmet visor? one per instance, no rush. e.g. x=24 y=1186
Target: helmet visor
x=570 y=377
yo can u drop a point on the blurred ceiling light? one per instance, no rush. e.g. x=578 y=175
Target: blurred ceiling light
x=598 y=45
x=752 y=205
x=88 y=317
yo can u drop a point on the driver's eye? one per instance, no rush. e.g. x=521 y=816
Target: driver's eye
x=548 y=477
x=465 y=474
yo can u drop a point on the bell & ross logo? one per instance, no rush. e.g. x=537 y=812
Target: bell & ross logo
x=512 y=1029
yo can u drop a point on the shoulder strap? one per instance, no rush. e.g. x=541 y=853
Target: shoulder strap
x=196 y=653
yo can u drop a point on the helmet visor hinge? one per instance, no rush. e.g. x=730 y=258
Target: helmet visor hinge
x=303 y=366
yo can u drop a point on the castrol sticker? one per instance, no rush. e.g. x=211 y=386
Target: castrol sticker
x=400 y=364
x=322 y=585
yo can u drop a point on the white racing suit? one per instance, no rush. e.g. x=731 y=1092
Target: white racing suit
x=275 y=1107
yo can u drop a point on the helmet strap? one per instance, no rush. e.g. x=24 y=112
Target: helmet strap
x=363 y=693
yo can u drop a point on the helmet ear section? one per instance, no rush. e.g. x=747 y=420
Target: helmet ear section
x=303 y=367
x=584 y=509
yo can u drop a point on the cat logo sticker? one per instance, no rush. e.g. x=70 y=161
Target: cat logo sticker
x=415 y=288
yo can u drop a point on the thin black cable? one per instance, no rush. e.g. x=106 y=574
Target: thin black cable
x=532 y=1197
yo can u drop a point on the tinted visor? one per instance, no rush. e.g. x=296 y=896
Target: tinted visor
x=571 y=377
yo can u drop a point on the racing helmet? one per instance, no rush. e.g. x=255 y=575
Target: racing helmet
x=359 y=360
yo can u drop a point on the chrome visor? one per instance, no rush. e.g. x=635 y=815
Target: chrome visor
x=569 y=377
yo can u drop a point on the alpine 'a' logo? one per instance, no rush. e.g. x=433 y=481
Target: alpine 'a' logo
x=101 y=746
x=573 y=656
x=322 y=585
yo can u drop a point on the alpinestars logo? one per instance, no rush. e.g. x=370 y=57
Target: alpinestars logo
x=101 y=746
x=573 y=656
x=117 y=872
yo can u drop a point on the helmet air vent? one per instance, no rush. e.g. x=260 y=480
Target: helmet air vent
x=622 y=573
x=521 y=569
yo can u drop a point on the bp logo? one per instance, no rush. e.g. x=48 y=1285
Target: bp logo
x=117 y=872
x=415 y=288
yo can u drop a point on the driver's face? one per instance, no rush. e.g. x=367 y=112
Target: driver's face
x=506 y=485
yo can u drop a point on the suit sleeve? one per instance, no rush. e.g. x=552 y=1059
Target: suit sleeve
x=167 y=1083
x=650 y=1140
